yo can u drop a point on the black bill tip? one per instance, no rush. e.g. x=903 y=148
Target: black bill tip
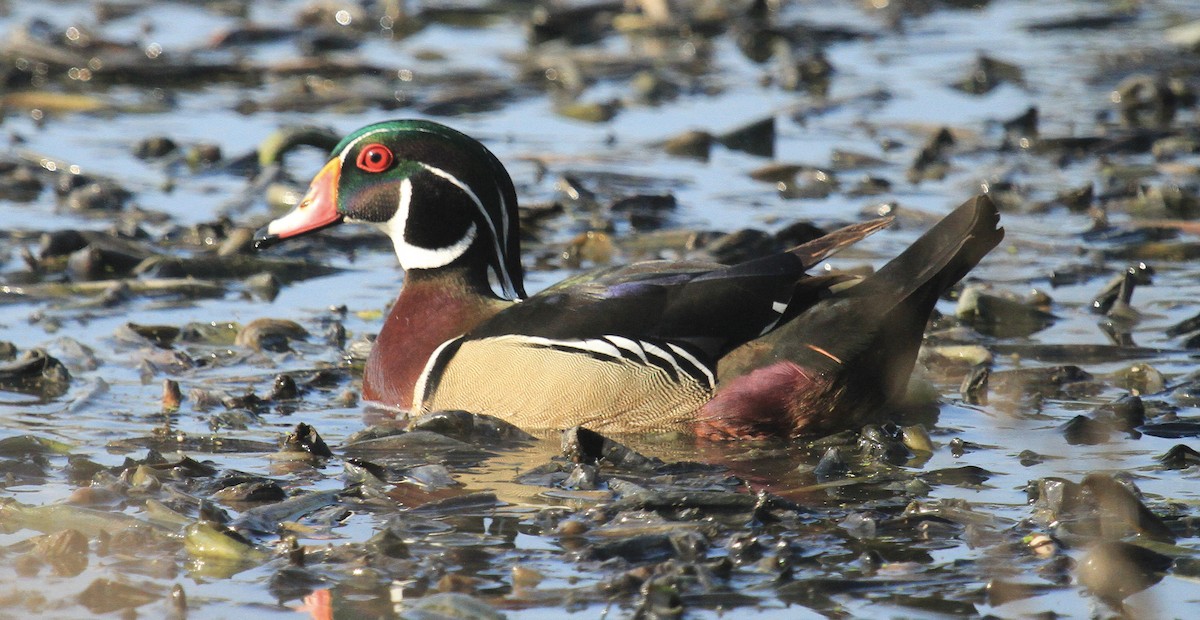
x=264 y=239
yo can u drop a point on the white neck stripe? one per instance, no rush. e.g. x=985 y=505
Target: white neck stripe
x=510 y=288
x=505 y=278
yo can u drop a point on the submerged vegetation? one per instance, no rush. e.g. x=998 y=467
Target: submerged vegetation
x=181 y=432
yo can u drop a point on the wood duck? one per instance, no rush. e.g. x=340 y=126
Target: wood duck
x=751 y=350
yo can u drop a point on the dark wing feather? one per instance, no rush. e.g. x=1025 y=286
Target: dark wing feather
x=710 y=306
x=823 y=247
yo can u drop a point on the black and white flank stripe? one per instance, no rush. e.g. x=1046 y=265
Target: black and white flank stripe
x=533 y=381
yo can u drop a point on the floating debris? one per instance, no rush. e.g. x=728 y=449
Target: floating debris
x=213 y=541
x=695 y=144
x=104 y=596
x=128 y=260
x=1180 y=456
x=35 y=372
x=989 y=73
x=305 y=440
x=1115 y=570
x=270 y=334
x=1001 y=316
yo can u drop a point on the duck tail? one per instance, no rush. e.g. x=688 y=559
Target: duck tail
x=899 y=298
x=841 y=362
x=941 y=257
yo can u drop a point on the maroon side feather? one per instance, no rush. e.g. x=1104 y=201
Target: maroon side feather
x=428 y=312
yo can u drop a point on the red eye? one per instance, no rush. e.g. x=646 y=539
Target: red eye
x=375 y=158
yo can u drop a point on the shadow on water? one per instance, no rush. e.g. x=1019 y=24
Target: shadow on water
x=181 y=433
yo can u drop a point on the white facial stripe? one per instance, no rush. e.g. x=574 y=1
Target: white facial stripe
x=350 y=147
x=414 y=257
x=506 y=280
x=778 y=307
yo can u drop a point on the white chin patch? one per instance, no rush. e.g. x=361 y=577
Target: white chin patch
x=416 y=257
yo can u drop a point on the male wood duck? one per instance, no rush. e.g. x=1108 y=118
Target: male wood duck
x=745 y=351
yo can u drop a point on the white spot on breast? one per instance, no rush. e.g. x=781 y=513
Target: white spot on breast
x=420 y=388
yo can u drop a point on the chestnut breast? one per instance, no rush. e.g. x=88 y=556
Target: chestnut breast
x=427 y=313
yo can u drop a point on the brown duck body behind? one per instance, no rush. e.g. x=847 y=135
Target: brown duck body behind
x=749 y=350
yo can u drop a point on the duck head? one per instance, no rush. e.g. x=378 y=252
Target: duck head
x=444 y=199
